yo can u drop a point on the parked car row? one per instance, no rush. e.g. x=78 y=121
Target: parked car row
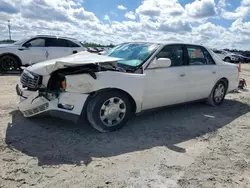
x=107 y=90
x=232 y=57
x=97 y=49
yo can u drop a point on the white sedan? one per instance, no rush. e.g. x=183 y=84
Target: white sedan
x=108 y=89
x=36 y=49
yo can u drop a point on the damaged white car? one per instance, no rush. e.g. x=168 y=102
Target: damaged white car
x=108 y=89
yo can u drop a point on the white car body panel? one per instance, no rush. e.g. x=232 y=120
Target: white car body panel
x=131 y=84
x=57 y=52
x=164 y=87
x=150 y=89
x=32 y=55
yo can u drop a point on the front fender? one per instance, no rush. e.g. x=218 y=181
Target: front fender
x=132 y=84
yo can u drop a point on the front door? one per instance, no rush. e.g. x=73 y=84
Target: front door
x=166 y=86
x=34 y=52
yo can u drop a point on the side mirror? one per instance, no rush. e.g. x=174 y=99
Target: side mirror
x=27 y=45
x=160 y=63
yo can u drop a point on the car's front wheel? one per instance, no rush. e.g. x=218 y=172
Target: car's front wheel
x=227 y=59
x=218 y=94
x=9 y=63
x=109 y=110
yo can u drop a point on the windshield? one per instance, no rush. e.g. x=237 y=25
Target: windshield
x=20 y=41
x=133 y=54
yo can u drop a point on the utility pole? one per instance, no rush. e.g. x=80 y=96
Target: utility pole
x=9 y=29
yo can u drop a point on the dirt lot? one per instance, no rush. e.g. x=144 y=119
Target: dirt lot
x=191 y=146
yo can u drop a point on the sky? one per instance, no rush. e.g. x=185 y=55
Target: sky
x=214 y=23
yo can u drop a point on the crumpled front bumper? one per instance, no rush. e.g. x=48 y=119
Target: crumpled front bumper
x=31 y=104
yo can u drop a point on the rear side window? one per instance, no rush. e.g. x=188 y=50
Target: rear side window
x=54 y=42
x=174 y=53
x=208 y=57
x=217 y=51
x=196 y=56
x=72 y=44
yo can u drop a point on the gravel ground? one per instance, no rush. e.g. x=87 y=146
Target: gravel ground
x=191 y=145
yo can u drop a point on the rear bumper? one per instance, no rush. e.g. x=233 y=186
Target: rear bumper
x=31 y=104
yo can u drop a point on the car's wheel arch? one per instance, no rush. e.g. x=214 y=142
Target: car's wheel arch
x=223 y=79
x=227 y=57
x=94 y=93
x=14 y=55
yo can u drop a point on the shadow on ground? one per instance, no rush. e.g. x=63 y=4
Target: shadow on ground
x=55 y=141
x=10 y=73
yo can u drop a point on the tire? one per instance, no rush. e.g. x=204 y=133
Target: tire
x=9 y=63
x=108 y=111
x=218 y=94
x=227 y=59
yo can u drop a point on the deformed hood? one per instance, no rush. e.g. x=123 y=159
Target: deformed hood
x=81 y=58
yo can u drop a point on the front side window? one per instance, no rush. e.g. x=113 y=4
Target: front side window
x=174 y=53
x=39 y=42
x=55 y=42
x=196 y=56
x=133 y=54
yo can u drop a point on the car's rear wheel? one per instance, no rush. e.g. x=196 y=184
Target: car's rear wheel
x=9 y=63
x=218 y=94
x=109 y=110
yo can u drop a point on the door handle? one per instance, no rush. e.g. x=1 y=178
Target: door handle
x=214 y=72
x=183 y=75
x=74 y=52
x=46 y=54
x=22 y=49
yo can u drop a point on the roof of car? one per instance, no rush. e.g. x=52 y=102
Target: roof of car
x=163 y=42
x=54 y=36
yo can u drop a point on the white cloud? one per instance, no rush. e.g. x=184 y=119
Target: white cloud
x=106 y=17
x=201 y=8
x=121 y=7
x=130 y=15
x=240 y=27
x=245 y=2
x=80 y=13
x=175 y=26
x=222 y=3
x=239 y=12
x=154 y=8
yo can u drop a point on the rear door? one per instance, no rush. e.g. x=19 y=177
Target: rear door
x=201 y=72
x=75 y=48
x=58 y=48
